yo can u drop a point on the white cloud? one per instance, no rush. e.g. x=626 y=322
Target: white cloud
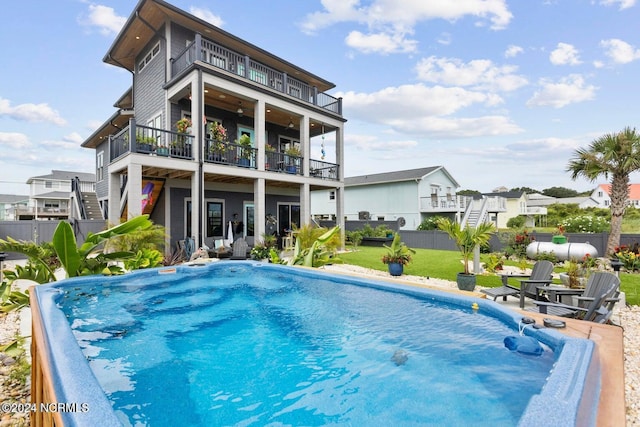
x=31 y=112
x=380 y=42
x=620 y=51
x=569 y=90
x=423 y=110
x=395 y=18
x=478 y=74
x=13 y=141
x=206 y=15
x=624 y=4
x=565 y=54
x=104 y=18
x=512 y=51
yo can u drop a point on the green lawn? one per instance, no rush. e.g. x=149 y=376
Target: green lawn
x=446 y=264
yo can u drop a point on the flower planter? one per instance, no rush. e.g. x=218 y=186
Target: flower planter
x=395 y=269
x=292 y=169
x=244 y=163
x=162 y=151
x=466 y=282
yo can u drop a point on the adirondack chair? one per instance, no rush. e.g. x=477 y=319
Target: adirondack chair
x=540 y=275
x=595 y=304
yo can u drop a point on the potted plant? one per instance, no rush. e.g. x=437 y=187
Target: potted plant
x=466 y=240
x=293 y=157
x=245 y=150
x=217 y=143
x=398 y=255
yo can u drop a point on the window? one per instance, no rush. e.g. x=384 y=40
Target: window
x=288 y=215
x=286 y=143
x=214 y=219
x=100 y=166
x=149 y=56
x=48 y=184
x=332 y=195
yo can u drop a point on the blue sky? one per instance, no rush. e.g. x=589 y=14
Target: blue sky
x=498 y=92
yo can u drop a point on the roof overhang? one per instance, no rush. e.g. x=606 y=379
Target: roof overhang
x=147 y=21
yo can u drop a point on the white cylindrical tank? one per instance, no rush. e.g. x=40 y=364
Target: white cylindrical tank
x=562 y=251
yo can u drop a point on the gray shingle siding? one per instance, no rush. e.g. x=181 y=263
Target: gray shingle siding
x=102 y=187
x=148 y=91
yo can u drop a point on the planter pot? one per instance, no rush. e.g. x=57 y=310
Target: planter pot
x=466 y=282
x=291 y=169
x=161 y=151
x=395 y=269
x=244 y=163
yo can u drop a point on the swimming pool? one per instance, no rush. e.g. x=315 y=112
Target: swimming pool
x=243 y=343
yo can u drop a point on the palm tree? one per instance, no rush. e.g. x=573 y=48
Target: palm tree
x=614 y=155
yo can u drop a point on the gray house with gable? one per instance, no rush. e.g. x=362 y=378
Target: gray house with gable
x=214 y=130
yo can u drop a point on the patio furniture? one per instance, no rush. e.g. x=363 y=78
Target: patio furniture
x=240 y=249
x=595 y=309
x=540 y=275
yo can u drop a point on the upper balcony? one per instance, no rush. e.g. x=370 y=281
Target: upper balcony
x=159 y=142
x=247 y=68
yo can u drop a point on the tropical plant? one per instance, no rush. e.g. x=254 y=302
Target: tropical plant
x=88 y=259
x=317 y=254
x=293 y=151
x=398 y=252
x=614 y=155
x=467 y=238
x=245 y=146
x=429 y=223
x=144 y=258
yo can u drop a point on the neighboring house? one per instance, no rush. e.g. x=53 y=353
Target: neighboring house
x=50 y=195
x=187 y=71
x=10 y=204
x=407 y=196
x=517 y=204
x=601 y=195
x=540 y=200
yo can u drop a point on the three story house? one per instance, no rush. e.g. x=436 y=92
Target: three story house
x=214 y=131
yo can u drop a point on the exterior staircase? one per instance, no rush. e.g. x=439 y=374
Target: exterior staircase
x=91 y=206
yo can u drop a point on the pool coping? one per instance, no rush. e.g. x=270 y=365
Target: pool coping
x=608 y=340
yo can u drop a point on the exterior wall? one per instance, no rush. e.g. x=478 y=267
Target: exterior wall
x=149 y=95
x=102 y=187
x=601 y=197
x=39 y=186
x=515 y=207
x=389 y=201
x=438 y=179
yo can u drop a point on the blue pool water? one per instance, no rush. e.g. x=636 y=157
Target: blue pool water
x=255 y=344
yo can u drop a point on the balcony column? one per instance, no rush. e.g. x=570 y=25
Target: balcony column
x=305 y=141
x=134 y=201
x=340 y=213
x=260 y=132
x=305 y=204
x=259 y=209
x=198 y=209
x=114 y=198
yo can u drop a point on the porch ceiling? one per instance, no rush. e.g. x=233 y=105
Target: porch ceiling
x=166 y=173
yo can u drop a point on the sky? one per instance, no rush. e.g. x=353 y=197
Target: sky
x=500 y=93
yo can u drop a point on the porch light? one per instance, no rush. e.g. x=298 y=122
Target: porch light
x=291 y=125
x=240 y=111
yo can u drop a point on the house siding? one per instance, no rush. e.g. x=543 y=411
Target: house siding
x=149 y=95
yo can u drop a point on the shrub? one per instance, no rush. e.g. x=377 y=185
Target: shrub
x=516 y=242
x=516 y=222
x=547 y=256
x=380 y=231
x=585 y=224
x=430 y=223
x=629 y=256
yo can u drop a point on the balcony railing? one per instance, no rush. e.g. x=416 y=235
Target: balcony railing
x=227 y=153
x=447 y=203
x=243 y=66
x=158 y=142
x=153 y=141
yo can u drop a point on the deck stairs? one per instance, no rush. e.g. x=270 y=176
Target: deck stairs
x=91 y=206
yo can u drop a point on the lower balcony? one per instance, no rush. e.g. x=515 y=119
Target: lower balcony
x=159 y=142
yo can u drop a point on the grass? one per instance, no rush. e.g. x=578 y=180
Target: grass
x=447 y=264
